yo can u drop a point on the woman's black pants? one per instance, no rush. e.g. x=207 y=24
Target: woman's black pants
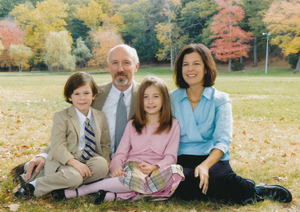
x=224 y=184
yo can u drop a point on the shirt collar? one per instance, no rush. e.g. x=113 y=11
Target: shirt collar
x=82 y=117
x=207 y=92
x=126 y=92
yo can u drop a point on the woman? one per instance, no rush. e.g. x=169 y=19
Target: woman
x=205 y=119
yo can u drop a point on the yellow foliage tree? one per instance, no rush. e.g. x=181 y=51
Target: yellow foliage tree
x=38 y=21
x=19 y=55
x=103 y=40
x=167 y=32
x=58 y=51
x=92 y=15
x=1 y=47
x=283 y=22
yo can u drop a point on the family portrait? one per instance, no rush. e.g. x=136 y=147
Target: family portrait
x=132 y=138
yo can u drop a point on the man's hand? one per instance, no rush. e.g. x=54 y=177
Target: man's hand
x=147 y=168
x=37 y=162
x=83 y=169
x=117 y=173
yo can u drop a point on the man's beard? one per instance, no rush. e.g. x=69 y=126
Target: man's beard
x=121 y=81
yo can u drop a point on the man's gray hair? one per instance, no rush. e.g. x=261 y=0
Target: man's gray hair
x=129 y=49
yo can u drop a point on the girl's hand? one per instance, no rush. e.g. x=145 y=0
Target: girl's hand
x=83 y=169
x=202 y=172
x=117 y=173
x=147 y=168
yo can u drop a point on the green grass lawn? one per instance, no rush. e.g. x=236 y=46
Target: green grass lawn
x=265 y=146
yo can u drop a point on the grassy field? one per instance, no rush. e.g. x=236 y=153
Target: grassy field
x=265 y=147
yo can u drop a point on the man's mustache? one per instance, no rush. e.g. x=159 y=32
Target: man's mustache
x=121 y=74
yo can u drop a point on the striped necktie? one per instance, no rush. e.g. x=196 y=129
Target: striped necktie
x=90 y=145
x=121 y=120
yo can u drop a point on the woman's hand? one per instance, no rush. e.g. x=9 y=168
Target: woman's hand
x=202 y=171
x=117 y=173
x=83 y=169
x=147 y=168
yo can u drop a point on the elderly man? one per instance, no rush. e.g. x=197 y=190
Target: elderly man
x=122 y=63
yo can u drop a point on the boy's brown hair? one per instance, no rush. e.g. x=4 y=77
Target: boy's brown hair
x=77 y=80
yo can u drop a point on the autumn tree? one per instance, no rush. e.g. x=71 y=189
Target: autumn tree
x=283 y=22
x=82 y=53
x=19 y=55
x=93 y=14
x=103 y=40
x=1 y=48
x=229 y=40
x=10 y=33
x=168 y=31
x=38 y=21
x=58 y=51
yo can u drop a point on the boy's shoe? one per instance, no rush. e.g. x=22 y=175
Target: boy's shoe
x=26 y=191
x=274 y=192
x=59 y=194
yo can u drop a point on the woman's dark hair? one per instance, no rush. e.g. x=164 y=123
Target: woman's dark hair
x=77 y=80
x=208 y=60
x=140 y=119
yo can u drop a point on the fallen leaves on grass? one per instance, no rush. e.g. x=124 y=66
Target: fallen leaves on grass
x=13 y=207
x=16 y=188
x=279 y=179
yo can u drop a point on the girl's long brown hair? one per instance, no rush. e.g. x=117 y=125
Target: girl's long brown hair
x=139 y=117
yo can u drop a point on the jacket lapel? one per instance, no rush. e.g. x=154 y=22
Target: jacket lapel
x=135 y=87
x=102 y=96
x=97 y=125
x=74 y=119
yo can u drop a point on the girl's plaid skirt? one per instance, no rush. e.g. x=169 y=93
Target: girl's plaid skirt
x=160 y=183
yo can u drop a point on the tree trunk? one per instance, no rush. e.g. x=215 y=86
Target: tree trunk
x=171 y=51
x=241 y=60
x=255 y=52
x=49 y=67
x=297 y=70
x=9 y=68
x=229 y=65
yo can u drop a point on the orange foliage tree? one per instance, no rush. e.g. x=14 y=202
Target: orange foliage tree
x=10 y=33
x=229 y=40
x=103 y=40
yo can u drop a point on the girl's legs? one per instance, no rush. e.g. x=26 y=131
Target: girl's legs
x=110 y=184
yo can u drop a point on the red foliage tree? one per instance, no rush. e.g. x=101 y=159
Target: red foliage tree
x=229 y=40
x=10 y=33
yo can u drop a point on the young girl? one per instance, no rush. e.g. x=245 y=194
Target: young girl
x=80 y=142
x=145 y=161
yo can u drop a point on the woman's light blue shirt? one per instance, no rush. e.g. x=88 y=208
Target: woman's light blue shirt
x=208 y=127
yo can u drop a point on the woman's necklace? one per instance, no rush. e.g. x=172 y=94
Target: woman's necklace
x=193 y=101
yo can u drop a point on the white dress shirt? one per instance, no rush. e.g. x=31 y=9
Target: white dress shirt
x=110 y=110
